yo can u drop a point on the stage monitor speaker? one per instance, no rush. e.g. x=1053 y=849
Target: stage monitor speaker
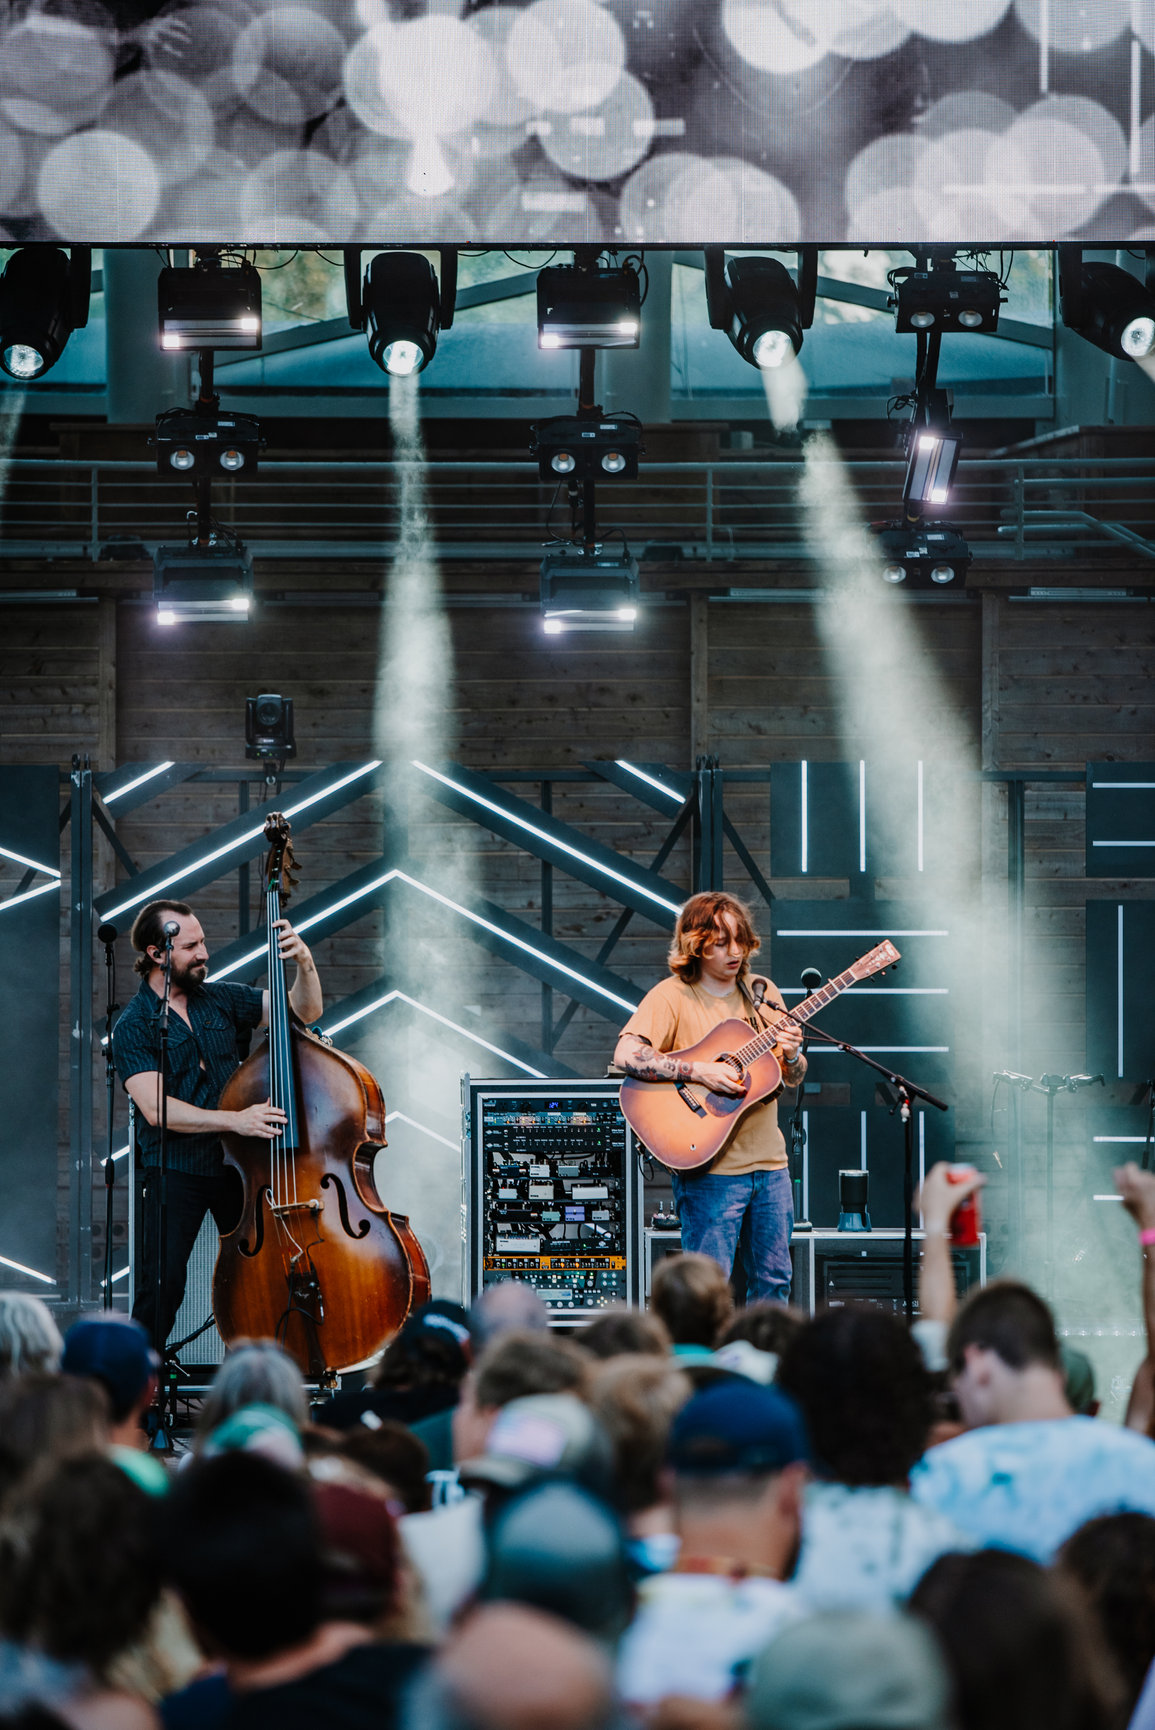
x=866 y=1267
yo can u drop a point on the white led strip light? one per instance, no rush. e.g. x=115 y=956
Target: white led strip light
x=466 y=1033
x=659 y=786
x=563 y=846
x=130 y=787
x=156 y=889
x=33 y=864
x=394 y=1116
x=6 y=1261
x=30 y=894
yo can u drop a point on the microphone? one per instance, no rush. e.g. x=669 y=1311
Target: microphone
x=811 y=978
x=107 y=934
x=171 y=927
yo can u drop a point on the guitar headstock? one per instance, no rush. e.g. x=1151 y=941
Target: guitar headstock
x=280 y=866
x=885 y=955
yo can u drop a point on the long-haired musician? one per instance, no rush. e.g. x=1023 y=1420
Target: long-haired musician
x=741 y=1201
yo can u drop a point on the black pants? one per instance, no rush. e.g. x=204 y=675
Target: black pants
x=187 y=1200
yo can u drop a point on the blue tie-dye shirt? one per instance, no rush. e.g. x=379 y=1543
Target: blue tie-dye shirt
x=1028 y=1486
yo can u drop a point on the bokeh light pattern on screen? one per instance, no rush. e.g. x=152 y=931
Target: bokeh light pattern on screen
x=555 y=122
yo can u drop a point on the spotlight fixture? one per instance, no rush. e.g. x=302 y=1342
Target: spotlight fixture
x=588 y=590
x=209 y=305
x=945 y=298
x=588 y=307
x=757 y=303
x=44 y=296
x=209 y=584
x=1106 y=305
x=922 y=555
x=200 y=445
x=269 y=728
x=401 y=305
x=586 y=448
x=931 y=464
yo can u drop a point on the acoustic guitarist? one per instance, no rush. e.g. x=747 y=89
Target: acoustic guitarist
x=741 y=1201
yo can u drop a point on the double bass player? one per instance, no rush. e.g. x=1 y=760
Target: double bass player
x=206 y=1021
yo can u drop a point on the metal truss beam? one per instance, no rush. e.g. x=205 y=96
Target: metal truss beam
x=354 y=1017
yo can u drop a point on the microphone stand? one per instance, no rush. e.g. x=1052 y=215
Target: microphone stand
x=110 y=1009
x=796 y=1130
x=1150 y=1086
x=907 y=1091
x=161 y=1439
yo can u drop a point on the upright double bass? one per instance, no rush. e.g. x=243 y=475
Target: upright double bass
x=316 y=1261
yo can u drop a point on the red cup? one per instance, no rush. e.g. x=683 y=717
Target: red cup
x=967 y=1220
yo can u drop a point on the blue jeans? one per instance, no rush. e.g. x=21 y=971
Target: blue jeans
x=750 y=1213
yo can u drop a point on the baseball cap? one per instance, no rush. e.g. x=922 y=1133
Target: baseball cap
x=538 y=1435
x=115 y=1351
x=734 y=1425
x=850 y=1670
x=361 y=1550
x=559 y=1548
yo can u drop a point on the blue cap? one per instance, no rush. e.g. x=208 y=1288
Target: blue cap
x=736 y=1426
x=113 y=1350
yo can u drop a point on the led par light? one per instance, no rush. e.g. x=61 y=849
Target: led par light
x=598 y=308
x=200 y=445
x=44 y=297
x=1107 y=306
x=209 y=584
x=573 y=447
x=209 y=305
x=923 y=555
x=931 y=465
x=946 y=300
x=588 y=591
x=269 y=728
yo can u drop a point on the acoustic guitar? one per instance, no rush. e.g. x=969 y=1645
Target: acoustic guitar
x=684 y=1124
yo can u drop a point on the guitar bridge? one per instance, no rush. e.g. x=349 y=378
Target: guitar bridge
x=687 y=1098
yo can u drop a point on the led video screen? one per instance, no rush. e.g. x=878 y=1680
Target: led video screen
x=559 y=122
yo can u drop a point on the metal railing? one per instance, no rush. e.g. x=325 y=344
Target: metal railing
x=707 y=512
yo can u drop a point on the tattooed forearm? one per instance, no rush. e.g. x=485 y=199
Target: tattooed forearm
x=648 y=1065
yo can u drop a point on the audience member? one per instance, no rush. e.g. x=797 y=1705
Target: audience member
x=115 y=1351
x=1029 y=1472
x=46 y=1418
x=510 y=1306
x=508 y=1667
x=1112 y=1559
x=513 y=1367
x=1018 y=1646
x=850 y=1670
x=254 y=1372
x=245 y=1550
x=543 y=1434
x=394 y=1455
x=636 y=1399
x=619 y=1330
x=420 y=1372
x=560 y=1549
x=738 y=1453
x=691 y=1295
x=1137 y=1187
x=1078 y=1381
x=865 y=1394
x=767 y=1326
x=29 y=1337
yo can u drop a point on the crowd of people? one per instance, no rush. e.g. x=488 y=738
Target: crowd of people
x=688 y=1518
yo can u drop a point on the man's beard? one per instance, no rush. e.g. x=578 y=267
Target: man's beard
x=189 y=978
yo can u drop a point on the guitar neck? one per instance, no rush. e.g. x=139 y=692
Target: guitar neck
x=281 y=1089
x=809 y=1006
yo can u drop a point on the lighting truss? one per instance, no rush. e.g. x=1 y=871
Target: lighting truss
x=44 y=297
x=206 y=445
x=757 y=303
x=587 y=447
x=1106 y=305
x=209 y=305
x=588 y=590
x=385 y=998
x=588 y=306
x=946 y=298
x=209 y=584
x=923 y=555
x=401 y=305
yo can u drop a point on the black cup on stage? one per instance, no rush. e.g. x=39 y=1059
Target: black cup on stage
x=852 y=1211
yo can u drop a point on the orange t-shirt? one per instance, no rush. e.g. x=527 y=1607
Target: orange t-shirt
x=673 y=1016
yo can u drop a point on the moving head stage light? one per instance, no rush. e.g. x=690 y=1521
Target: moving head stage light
x=401 y=305
x=202 y=445
x=931 y=465
x=209 y=584
x=586 y=448
x=923 y=555
x=945 y=298
x=759 y=306
x=269 y=728
x=209 y=305
x=588 y=590
x=595 y=306
x=1106 y=305
x=44 y=297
